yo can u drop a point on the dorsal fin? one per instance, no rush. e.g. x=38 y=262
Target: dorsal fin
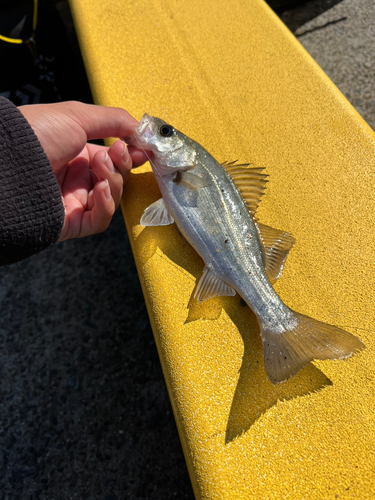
x=249 y=181
x=276 y=245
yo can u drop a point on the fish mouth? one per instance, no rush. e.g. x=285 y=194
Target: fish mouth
x=142 y=133
x=143 y=124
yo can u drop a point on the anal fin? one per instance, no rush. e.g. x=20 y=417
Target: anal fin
x=211 y=285
x=276 y=245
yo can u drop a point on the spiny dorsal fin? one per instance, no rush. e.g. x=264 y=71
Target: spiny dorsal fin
x=249 y=181
x=211 y=285
x=276 y=245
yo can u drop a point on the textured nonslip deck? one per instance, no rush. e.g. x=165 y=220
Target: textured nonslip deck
x=232 y=77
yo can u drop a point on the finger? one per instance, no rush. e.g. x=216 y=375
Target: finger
x=139 y=156
x=97 y=220
x=100 y=121
x=121 y=158
x=90 y=200
x=77 y=179
x=104 y=169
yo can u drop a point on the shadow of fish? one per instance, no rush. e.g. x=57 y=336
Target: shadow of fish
x=214 y=206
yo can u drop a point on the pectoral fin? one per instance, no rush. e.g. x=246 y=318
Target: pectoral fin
x=156 y=215
x=276 y=245
x=189 y=181
x=211 y=285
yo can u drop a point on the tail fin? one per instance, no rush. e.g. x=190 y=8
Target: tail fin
x=306 y=339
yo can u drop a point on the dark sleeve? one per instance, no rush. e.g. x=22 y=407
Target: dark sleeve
x=31 y=208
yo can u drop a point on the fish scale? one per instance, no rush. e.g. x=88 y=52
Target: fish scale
x=214 y=207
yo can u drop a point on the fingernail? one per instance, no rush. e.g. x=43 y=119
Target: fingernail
x=109 y=163
x=107 y=190
x=125 y=154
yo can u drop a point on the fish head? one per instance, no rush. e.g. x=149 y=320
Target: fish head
x=172 y=150
x=156 y=135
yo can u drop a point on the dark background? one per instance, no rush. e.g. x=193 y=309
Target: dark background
x=84 y=411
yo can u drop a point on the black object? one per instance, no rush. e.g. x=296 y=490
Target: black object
x=16 y=19
x=166 y=131
x=31 y=210
x=46 y=69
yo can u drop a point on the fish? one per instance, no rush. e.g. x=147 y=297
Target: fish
x=214 y=208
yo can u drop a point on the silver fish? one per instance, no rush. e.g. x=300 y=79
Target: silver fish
x=214 y=206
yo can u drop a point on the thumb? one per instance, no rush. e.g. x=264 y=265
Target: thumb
x=100 y=122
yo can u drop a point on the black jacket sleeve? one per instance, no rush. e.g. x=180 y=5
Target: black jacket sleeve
x=31 y=208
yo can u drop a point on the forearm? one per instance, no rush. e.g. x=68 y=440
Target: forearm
x=31 y=208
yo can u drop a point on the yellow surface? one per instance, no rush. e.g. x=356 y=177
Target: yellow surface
x=232 y=77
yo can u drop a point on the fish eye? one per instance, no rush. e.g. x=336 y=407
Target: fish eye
x=166 y=130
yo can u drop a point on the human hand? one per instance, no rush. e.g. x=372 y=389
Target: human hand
x=90 y=176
